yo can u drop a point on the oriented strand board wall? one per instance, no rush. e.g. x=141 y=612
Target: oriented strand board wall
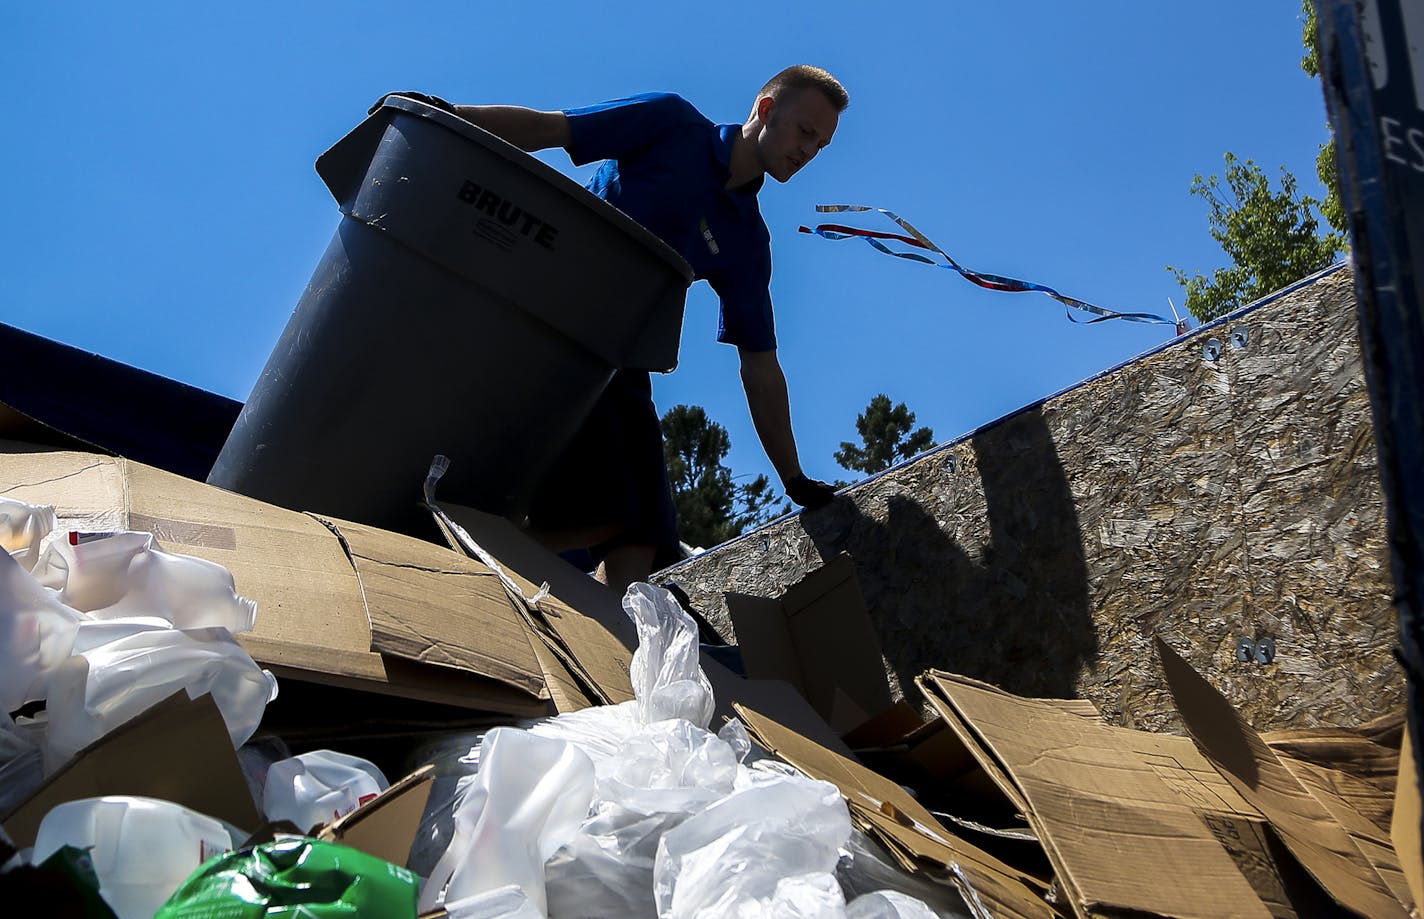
x=1200 y=500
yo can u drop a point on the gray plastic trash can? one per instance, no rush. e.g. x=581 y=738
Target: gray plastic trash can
x=473 y=302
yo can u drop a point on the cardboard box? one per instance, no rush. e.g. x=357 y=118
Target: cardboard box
x=818 y=637
x=337 y=602
x=179 y=750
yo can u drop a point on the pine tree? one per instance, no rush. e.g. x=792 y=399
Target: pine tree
x=886 y=435
x=711 y=506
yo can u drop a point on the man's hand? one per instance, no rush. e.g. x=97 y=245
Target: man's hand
x=809 y=493
x=418 y=97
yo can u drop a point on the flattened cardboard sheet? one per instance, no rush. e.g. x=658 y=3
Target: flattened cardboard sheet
x=179 y=750
x=430 y=605
x=1305 y=825
x=1093 y=792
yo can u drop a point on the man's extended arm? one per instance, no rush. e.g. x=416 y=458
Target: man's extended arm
x=526 y=128
x=765 y=386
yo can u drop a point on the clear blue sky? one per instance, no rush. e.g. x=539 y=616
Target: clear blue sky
x=161 y=207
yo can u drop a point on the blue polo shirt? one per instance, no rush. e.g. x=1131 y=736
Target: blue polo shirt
x=667 y=168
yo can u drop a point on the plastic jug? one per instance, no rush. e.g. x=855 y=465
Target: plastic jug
x=319 y=786
x=142 y=848
x=112 y=575
x=22 y=527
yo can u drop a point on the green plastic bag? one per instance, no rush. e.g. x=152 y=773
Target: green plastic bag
x=292 y=877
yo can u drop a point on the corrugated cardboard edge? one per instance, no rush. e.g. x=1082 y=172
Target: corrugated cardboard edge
x=1305 y=825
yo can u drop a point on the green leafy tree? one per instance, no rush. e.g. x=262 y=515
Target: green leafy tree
x=1326 y=167
x=711 y=506
x=1269 y=235
x=887 y=436
x=1272 y=237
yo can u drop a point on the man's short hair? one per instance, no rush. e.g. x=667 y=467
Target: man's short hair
x=804 y=76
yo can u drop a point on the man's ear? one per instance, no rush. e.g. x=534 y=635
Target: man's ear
x=764 y=106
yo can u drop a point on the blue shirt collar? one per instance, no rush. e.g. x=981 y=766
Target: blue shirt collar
x=727 y=135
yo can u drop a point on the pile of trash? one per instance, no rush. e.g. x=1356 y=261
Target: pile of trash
x=634 y=809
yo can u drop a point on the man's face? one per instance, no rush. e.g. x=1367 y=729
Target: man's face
x=794 y=129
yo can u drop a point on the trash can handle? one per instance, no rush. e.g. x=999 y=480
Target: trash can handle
x=343 y=168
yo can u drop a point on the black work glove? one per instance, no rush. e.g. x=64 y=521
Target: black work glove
x=809 y=493
x=418 y=97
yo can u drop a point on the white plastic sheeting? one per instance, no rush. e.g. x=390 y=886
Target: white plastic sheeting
x=639 y=810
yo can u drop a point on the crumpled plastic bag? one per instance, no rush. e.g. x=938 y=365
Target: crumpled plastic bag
x=865 y=868
x=36 y=634
x=508 y=902
x=115 y=575
x=888 y=904
x=675 y=823
x=23 y=528
x=655 y=764
x=292 y=876
x=667 y=676
x=528 y=798
x=731 y=859
x=660 y=775
x=94 y=692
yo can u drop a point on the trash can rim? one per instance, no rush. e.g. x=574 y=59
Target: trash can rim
x=498 y=145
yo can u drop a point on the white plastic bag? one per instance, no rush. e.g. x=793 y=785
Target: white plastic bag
x=141 y=848
x=508 y=902
x=114 y=575
x=36 y=634
x=659 y=776
x=318 y=787
x=730 y=858
x=888 y=904
x=527 y=800
x=866 y=868
x=667 y=676
x=94 y=692
x=22 y=528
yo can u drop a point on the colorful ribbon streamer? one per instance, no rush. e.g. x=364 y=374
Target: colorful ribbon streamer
x=991 y=281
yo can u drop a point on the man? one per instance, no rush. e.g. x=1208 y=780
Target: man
x=694 y=184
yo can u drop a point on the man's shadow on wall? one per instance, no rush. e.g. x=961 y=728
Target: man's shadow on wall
x=1017 y=614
